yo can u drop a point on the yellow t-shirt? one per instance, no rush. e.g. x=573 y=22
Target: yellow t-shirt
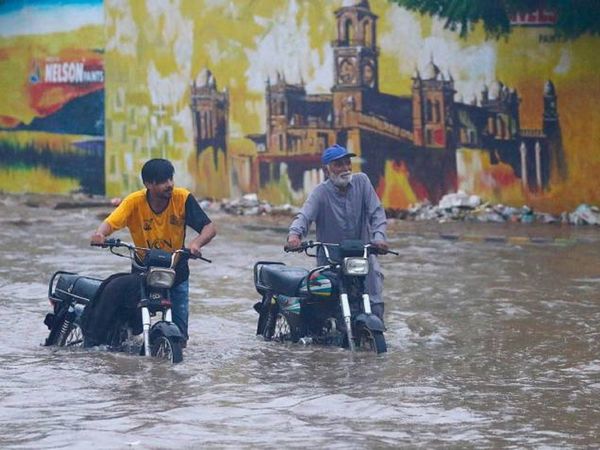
x=164 y=231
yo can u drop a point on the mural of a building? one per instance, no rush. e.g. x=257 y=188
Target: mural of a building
x=419 y=134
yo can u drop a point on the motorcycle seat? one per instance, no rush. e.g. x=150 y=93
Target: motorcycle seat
x=282 y=279
x=78 y=287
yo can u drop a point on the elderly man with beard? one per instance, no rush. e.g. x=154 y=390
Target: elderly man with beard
x=344 y=206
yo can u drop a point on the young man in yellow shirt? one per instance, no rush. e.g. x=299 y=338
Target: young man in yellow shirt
x=157 y=217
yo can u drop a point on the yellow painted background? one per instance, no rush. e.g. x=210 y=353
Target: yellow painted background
x=156 y=48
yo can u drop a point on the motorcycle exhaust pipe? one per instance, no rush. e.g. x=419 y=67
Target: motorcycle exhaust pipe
x=347 y=319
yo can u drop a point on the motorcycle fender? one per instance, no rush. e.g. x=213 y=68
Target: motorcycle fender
x=166 y=329
x=49 y=320
x=262 y=308
x=370 y=321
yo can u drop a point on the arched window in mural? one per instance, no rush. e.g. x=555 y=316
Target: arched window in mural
x=367 y=34
x=429 y=137
x=501 y=128
x=204 y=125
x=437 y=113
x=472 y=137
x=429 y=111
x=491 y=126
x=348 y=31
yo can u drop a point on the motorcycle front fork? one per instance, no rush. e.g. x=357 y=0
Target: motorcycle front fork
x=167 y=317
x=146 y=324
x=347 y=315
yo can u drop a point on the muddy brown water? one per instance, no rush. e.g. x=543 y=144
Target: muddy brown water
x=491 y=345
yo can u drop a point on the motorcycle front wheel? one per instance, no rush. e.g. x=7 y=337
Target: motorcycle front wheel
x=373 y=341
x=168 y=348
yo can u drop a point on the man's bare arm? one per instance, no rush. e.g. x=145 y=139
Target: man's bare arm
x=204 y=237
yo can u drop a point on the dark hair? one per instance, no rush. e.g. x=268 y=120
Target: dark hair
x=157 y=170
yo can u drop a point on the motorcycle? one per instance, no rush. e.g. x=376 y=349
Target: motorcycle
x=327 y=305
x=70 y=293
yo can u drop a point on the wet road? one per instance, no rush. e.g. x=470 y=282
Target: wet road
x=491 y=345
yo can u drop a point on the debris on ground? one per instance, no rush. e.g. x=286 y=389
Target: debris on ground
x=250 y=205
x=452 y=207
x=463 y=207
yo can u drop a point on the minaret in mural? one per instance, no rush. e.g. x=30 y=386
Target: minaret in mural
x=210 y=111
x=355 y=61
x=432 y=107
x=502 y=106
x=551 y=128
x=284 y=111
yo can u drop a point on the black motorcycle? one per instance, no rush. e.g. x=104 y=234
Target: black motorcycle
x=327 y=305
x=70 y=293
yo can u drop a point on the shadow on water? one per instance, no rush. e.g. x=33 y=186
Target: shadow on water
x=490 y=346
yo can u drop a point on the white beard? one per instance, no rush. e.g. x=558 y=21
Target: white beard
x=342 y=180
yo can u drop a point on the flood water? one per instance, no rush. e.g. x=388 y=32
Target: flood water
x=491 y=345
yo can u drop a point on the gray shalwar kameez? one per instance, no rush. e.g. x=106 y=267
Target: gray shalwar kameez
x=355 y=213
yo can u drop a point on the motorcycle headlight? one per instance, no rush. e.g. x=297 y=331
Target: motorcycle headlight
x=160 y=278
x=356 y=266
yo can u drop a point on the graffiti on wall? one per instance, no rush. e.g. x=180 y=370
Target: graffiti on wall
x=52 y=109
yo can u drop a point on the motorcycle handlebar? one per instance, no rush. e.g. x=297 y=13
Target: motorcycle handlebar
x=311 y=244
x=381 y=251
x=300 y=249
x=188 y=254
x=111 y=243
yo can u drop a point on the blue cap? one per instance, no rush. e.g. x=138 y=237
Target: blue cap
x=334 y=152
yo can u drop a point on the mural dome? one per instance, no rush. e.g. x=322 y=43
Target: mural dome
x=205 y=79
x=431 y=71
x=495 y=89
x=549 y=88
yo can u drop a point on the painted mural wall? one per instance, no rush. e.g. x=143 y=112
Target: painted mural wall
x=52 y=96
x=244 y=95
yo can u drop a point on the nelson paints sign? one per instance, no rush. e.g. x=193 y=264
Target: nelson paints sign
x=74 y=72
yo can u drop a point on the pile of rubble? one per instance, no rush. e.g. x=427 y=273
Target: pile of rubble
x=463 y=207
x=250 y=205
x=452 y=207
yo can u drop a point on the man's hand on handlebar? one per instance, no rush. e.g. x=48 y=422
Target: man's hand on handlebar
x=195 y=249
x=381 y=246
x=293 y=243
x=97 y=239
